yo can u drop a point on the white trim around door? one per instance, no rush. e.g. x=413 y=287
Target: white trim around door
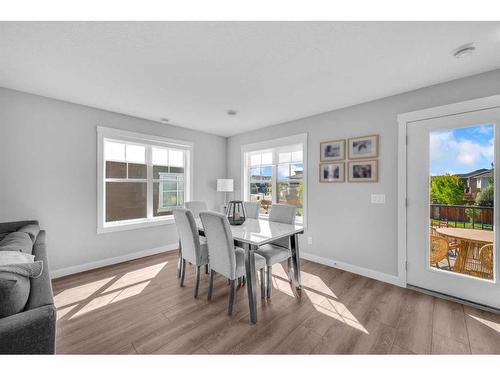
x=403 y=120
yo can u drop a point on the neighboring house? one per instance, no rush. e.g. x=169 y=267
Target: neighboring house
x=475 y=181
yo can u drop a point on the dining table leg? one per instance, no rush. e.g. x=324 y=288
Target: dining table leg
x=250 y=281
x=294 y=247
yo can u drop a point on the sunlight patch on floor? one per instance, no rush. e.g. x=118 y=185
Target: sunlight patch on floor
x=79 y=293
x=326 y=302
x=112 y=297
x=137 y=276
x=280 y=283
x=62 y=312
x=493 y=325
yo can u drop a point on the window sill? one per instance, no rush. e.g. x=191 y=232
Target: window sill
x=134 y=224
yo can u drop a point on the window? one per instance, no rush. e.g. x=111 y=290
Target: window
x=141 y=178
x=273 y=172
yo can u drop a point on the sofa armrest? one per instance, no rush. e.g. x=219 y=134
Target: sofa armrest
x=29 y=332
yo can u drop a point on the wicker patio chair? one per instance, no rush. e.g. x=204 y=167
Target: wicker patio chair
x=439 y=251
x=479 y=262
x=486 y=259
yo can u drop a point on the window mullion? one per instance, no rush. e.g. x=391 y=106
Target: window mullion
x=149 y=176
x=274 y=183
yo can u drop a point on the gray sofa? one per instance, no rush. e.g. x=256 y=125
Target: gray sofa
x=32 y=331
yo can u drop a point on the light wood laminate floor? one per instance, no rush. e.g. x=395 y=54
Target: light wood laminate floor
x=139 y=307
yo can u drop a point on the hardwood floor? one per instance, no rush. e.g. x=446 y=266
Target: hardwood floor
x=139 y=307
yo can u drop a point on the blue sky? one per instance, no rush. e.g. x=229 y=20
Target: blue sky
x=461 y=150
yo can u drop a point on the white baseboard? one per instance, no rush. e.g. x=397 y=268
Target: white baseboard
x=109 y=261
x=381 y=276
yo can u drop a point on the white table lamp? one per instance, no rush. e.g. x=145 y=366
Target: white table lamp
x=225 y=185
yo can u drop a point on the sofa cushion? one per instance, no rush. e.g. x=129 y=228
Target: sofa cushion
x=32 y=230
x=17 y=241
x=16 y=269
x=15 y=257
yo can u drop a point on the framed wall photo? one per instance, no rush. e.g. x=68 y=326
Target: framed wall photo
x=363 y=171
x=332 y=150
x=363 y=147
x=331 y=172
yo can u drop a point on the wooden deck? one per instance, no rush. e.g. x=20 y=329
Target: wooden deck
x=138 y=307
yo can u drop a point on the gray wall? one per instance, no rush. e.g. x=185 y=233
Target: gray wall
x=48 y=172
x=344 y=225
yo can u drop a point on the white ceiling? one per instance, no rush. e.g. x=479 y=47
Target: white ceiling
x=270 y=72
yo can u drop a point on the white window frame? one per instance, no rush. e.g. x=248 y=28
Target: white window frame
x=274 y=144
x=104 y=133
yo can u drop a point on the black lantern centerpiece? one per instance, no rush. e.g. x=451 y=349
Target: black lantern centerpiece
x=236 y=213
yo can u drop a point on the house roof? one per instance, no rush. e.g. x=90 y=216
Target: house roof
x=476 y=173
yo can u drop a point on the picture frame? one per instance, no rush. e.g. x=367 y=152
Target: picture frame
x=332 y=172
x=332 y=150
x=363 y=171
x=363 y=147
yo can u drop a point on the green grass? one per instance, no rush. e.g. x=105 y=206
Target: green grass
x=451 y=224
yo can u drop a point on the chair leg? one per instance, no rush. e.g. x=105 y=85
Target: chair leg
x=197 y=282
x=231 y=297
x=179 y=260
x=262 y=284
x=449 y=264
x=289 y=270
x=243 y=280
x=206 y=269
x=210 y=284
x=269 y=280
x=183 y=271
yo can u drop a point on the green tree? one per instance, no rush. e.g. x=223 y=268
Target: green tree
x=447 y=190
x=486 y=196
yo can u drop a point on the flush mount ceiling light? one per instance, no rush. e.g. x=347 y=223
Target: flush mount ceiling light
x=463 y=51
x=164 y=119
x=231 y=112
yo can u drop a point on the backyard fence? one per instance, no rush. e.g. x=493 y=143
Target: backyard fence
x=478 y=217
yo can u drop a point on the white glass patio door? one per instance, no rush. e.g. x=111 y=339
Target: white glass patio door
x=446 y=155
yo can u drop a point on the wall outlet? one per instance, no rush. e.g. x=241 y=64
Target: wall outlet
x=309 y=240
x=378 y=199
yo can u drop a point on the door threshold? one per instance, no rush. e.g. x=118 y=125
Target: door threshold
x=454 y=299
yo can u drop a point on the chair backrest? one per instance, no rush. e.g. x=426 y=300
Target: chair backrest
x=439 y=249
x=283 y=213
x=220 y=243
x=188 y=235
x=252 y=209
x=486 y=258
x=196 y=207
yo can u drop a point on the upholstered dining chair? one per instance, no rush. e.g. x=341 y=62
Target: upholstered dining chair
x=225 y=258
x=193 y=250
x=196 y=207
x=252 y=209
x=278 y=251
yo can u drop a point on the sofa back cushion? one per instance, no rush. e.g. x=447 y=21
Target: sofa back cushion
x=32 y=230
x=17 y=241
x=16 y=270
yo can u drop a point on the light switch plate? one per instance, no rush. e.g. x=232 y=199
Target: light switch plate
x=378 y=199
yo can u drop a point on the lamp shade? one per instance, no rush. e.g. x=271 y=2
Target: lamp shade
x=225 y=185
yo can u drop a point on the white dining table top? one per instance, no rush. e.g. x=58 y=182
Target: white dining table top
x=259 y=232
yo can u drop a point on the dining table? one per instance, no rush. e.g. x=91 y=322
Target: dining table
x=251 y=235
x=468 y=238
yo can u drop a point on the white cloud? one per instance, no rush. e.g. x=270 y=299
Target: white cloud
x=446 y=148
x=469 y=153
